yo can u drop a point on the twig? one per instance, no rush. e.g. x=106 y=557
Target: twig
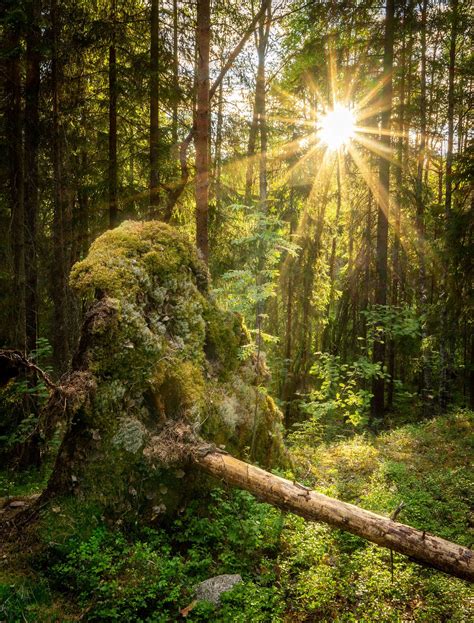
x=19 y=360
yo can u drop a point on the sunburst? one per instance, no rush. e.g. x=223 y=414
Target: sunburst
x=337 y=127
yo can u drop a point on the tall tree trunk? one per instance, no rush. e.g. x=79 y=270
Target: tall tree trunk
x=252 y=142
x=332 y=258
x=59 y=267
x=420 y=208
x=218 y=148
x=378 y=386
x=174 y=127
x=260 y=103
x=31 y=198
x=201 y=142
x=446 y=330
x=367 y=261
x=83 y=201
x=13 y=135
x=397 y=218
x=154 y=110
x=113 y=205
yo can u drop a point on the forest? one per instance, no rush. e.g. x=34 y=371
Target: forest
x=236 y=330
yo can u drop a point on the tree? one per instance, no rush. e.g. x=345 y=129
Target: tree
x=380 y=298
x=13 y=135
x=154 y=110
x=32 y=140
x=113 y=170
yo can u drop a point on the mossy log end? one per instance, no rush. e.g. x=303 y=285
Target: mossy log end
x=154 y=349
x=291 y=496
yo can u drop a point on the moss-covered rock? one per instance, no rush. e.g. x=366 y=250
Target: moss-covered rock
x=154 y=348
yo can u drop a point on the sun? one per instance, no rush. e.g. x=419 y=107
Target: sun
x=337 y=127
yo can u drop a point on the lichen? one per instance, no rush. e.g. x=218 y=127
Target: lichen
x=159 y=349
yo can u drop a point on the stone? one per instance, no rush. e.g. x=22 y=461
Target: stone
x=212 y=589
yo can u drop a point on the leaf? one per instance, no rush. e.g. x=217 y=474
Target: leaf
x=185 y=611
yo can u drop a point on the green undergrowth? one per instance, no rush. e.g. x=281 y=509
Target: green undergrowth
x=292 y=570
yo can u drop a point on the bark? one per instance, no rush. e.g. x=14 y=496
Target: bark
x=83 y=203
x=218 y=147
x=174 y=127
x=113 y=206
x=378 y=386
x=291 y=496
x=420 y=206
x=332 y=259
x=445 y=355
x=59 y=268
x=13 y=135
x=154 y=110
x=201 y=140
x=366 y=263
x=260 y=103
x=250 y=156
x=392 y=355
x=31 y=198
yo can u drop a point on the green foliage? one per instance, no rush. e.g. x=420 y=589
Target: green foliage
x=21 y=400
x=292 y=570
x=341 y=395
x=331 y=575
x=244 y=290
x=24 y=601
x=150 y=575
x=397 y=323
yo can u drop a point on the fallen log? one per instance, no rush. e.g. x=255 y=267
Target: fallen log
x=294 y=497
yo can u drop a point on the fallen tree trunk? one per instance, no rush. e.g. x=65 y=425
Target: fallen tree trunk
x=417 y=544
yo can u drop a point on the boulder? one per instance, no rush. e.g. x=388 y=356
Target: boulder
x=212 y=589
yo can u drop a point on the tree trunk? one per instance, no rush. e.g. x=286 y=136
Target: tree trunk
x=260 y=103
x=218 y=148
x=445 y=354
x=392 y=355
x=59 y=269
x=154 y=110
x=32 y=87
x=420 y=209
x=13 y=135
x=201 y=140
x=378 y=386
x=113 y=207
x=251 y=155
x=83 y=201
x=291 y=496
x=174 y=127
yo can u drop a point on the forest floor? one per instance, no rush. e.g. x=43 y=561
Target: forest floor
x=75 y=566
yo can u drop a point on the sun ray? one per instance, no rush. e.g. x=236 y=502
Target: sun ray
x=376 y=89
x=377 y=148
x=372 y=130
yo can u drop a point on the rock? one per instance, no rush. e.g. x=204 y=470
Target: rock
x=17 y=504
x=212 y=589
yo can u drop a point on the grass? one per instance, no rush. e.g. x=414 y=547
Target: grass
x=293 y=570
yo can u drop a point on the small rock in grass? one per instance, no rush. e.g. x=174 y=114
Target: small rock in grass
x=212 y=589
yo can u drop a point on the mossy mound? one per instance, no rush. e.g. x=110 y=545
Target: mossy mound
x=154 y=348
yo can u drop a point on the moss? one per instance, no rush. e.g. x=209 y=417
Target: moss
x=178 y=389
x=158 y=347
x=225 y=335
x=121 y=261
